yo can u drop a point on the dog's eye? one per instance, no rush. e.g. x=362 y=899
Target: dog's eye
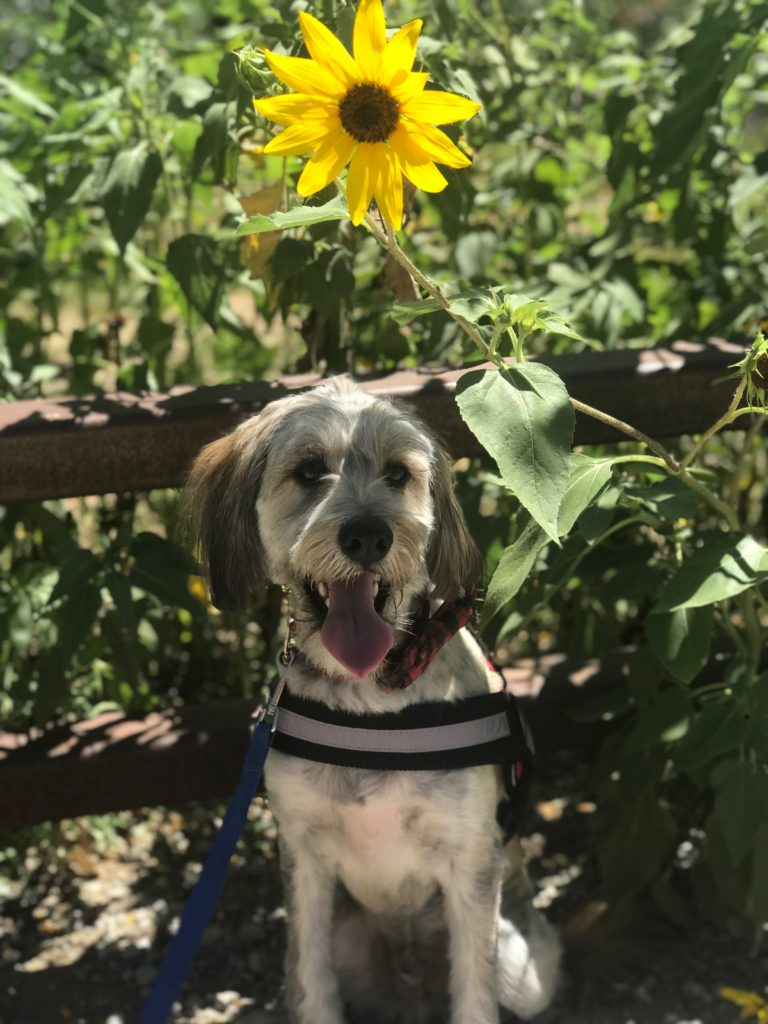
x=396 y=474
x=310 y=471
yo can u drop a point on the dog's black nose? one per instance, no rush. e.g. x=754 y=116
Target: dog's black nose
x=365 y=539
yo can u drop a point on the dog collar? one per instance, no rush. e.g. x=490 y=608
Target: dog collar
x=403 y=665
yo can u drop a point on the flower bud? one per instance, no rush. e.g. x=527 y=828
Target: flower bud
x=753 y=369
x=252 y=70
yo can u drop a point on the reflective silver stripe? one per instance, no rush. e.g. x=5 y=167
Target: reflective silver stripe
x=395 y=741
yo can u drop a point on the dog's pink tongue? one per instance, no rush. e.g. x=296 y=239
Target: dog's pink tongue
x=353 y=632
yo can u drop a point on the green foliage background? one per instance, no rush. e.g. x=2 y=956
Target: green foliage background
x=620 y=172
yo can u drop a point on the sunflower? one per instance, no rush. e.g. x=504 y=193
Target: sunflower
x=370 y=111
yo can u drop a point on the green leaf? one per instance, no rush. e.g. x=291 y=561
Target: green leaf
x=757 y=898
x=715 y=730
x=198 y=264
x=162 y=569
x=119 y=587
x=404 y=312
x=125 y=651
x=74 y=621
x=596 y=519
x=681 y=639
x=665 y=719
x=587 y=479
x=725 y=565
x=515 y=564
x=642 y=836
x=26 y=97
x=474 y=303
x=669 y=499
x=524 y=419
x=127 y=190
x=75 y=573
x=214 y=147
x=14 y=196
x=697 y=95
x=188 y=95
x=299 y=216
x=740 y=804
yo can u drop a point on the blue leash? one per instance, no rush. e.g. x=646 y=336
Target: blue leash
x=205 y=895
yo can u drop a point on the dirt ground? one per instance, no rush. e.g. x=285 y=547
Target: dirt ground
x=83 y=926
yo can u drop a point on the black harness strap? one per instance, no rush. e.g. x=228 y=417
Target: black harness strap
x=430 y=736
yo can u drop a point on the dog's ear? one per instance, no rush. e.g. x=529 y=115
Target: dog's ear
x=453 y=560
x=219 y=509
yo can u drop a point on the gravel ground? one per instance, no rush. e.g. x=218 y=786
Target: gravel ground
x=84 y=923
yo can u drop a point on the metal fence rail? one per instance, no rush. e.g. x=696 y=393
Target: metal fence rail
x=67 y=447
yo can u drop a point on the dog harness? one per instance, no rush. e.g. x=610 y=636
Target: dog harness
x=430 y=736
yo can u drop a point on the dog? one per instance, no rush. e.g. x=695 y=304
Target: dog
x=404 y=903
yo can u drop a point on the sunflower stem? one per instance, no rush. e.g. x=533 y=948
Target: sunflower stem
x=724 y=420
x=388 y=240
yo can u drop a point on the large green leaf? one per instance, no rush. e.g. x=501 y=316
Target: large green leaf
x=78 y=570
x=716 y=729
x=524 y=418
x=641 y=838
x=516 y=562
x=664 y=719
x=198 y=264
x=404 y=312
x=681 y=639
x=725 y=565
x=162 y=569
x=15 y=193
x=74 y=621
x=299 y=216
x=127 y=191
x=470 y=303
x=741 y=803
x=214 y=149
x=669 y=499
x=757 y=899
x=697 y=94
x=587 y=479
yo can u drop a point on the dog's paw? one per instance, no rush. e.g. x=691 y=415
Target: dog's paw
x=528 y=965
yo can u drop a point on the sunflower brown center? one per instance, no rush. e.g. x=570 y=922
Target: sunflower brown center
x=369 y=112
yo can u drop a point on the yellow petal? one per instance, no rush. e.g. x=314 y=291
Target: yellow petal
x=388 y=187
x=305 y=75
x=326 y=162
x=301 y=138
x=400 y=51
x=362 y=179
x=435 y=144
x=327 y=50
x=405 y=85
x=294 y=107
x=416 y=165
x=369 y=38
x=436 y=107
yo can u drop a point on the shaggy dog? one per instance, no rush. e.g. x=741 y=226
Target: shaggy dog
x=404 y=904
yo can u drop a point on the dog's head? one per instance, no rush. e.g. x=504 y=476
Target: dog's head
x=347 y=500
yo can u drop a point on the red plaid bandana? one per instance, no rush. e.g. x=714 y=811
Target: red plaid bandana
x=403 y=666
